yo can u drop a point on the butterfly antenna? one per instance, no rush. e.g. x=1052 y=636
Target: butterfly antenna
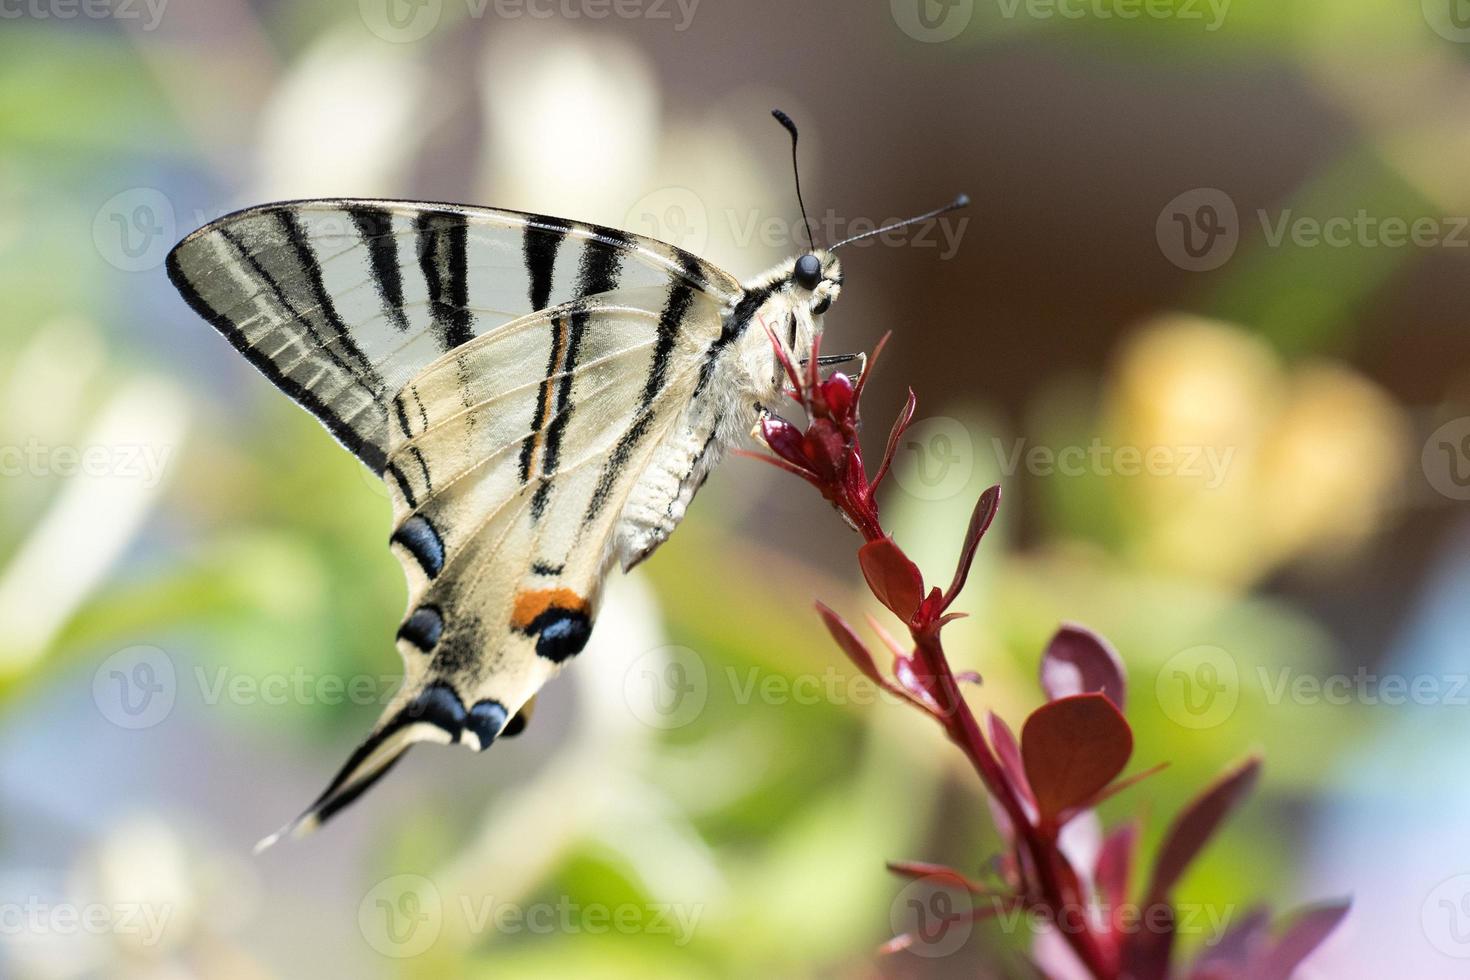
x=785 y=120
x=960 y=202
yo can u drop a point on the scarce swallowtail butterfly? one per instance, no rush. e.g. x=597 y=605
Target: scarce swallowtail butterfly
x=542 y=398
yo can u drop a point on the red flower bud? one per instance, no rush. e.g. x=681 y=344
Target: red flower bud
x=785 y=441
x=836 y=396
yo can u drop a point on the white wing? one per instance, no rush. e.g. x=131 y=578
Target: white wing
x=341 y=303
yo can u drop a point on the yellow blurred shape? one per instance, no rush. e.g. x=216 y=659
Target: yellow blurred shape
x=1270 y=463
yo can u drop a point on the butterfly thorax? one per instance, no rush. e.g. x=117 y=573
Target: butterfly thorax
x=741 y=382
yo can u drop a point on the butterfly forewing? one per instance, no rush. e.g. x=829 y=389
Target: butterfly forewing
x=341 y=302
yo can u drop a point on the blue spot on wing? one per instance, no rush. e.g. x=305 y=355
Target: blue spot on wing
x=421 y=539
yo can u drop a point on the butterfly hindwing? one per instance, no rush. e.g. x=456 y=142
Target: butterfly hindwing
x=513 y=461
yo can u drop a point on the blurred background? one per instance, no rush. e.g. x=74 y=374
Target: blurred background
x=1204 y=321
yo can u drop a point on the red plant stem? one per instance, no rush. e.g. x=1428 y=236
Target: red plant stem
x=842 y=479
x=963 y=729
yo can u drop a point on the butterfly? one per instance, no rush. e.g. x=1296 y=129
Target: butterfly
x=542 y=397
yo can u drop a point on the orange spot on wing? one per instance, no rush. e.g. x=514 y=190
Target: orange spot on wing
x=533 y=602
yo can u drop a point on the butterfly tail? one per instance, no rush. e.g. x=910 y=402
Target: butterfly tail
x=434 y=714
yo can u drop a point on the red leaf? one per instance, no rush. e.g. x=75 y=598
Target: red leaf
x=1072 y=748
x=900 y=425
x=980 y=519
x=1146 y=951
x=1196 y=824
x=851 y=645
x=894 y=579
x=1078 y=661
x=785 y=359
x=868 y=363
x=940 y=873
x=1115 y=864
x=1009 y=754
x=1307 y=931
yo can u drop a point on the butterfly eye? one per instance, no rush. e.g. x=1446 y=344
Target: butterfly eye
x=808 y=271
x=821 y=306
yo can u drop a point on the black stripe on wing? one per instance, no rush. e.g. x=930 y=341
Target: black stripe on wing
x=539 y=244
x=443 y=243
x=375 y=225
x=372 y=454
x=601 y=263
x=670 y=322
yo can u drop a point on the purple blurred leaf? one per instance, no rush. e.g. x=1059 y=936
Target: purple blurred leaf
x=1115 y=864
x=1078 y=661
x=1308 y=930
x=894 y=579
x=1234 y=952
x=1072 y=748
x=1196 y=824
x=980 y=519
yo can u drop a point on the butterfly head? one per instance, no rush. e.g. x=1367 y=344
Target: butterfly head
x=816 y=278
